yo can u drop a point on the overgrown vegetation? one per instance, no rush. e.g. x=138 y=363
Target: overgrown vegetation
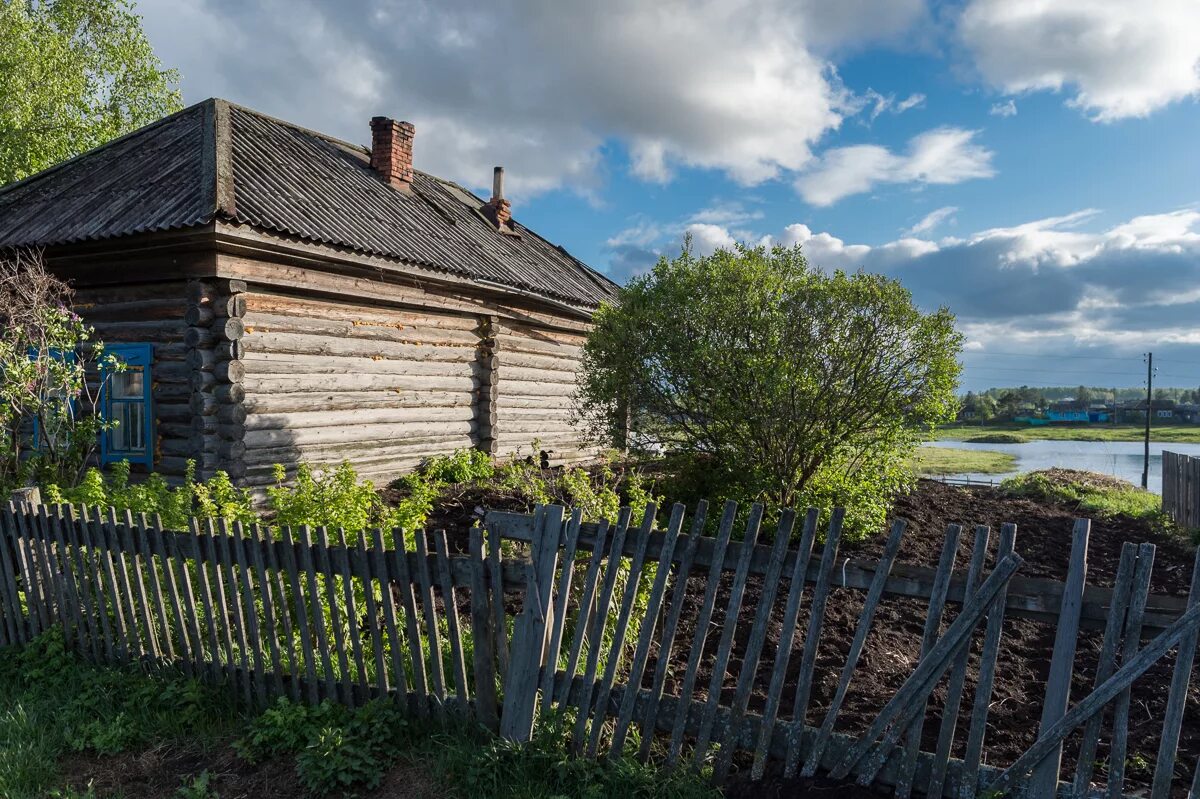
x=1091 y=493
x=53 y=704
x=794 y=386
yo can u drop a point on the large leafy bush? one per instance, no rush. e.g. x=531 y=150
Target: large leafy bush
x=796 y=385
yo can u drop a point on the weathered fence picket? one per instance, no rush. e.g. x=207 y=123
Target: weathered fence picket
x=279 y=613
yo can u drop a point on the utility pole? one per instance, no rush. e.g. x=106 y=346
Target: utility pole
x=1149 y=412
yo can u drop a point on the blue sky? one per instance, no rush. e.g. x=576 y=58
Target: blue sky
x=1032 y=164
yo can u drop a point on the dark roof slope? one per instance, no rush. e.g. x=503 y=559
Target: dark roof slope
x=215 y=160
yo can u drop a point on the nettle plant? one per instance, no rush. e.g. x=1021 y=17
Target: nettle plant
x=49 y=424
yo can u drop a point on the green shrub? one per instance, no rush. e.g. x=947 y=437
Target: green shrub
x=1094 y=493
x=997 y=438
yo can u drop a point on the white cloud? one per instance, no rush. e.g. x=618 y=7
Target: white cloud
x=932 y=219
x=939 y=156
x=733 y=85
x=882 y=103
x=1118 y=58
x=1006 y=109
x=707 y=238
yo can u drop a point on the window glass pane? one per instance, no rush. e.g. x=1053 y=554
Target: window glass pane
x=128 y=436
x=127 y=384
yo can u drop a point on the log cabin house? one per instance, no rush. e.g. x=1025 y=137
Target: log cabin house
x=283 y=296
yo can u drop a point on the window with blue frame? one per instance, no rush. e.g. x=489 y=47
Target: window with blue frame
x=127 y=404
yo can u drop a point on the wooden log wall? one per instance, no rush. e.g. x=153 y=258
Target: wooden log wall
x=537 y=372
x=213 y=337
x=151 y=314
x=384 y=388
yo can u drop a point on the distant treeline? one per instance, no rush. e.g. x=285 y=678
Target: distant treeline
x=1041 y=396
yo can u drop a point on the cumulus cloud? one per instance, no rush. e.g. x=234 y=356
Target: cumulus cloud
x=539 y=86
x=1051 y=286
x=1117 y=58
x=932 y=219
x=939 y=156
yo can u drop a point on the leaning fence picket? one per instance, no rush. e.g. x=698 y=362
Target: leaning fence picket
x=342 y=559
x=316 y=609
x=1129 y=648
x=958 y=672
x=616 y=650
x=94 y=565
x=496 y=579
x=54 y=571
x=649 y=622
x=561 y=601
x=929 y=636
x=282 y=610
x=432 y=634
x=483 y=657
x=334 y=634
x=213 y=597
x=71 y=623
x=14 y=619
x=707 y=605
x=453 y=623
x=372 y=607
x=667 y=642
x=160 y=606
x=583 y=618
x=758 y=637
x=596 y=632
x=1177 y=699
x=890 y=549
x=404 y=584
x=808 y=657
x=387 y=602
x=267 y=601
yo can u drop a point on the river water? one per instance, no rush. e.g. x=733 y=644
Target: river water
x=1119 y=458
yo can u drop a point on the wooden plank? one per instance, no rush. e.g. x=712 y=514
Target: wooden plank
x=71 y=619
x=561 y=600
x=372 y=607
x=703 y=621
x=1106 y=664
x=432 y=633
x=192 y=625
x=1164 y=771
x=108 y=581
x=729 y=624
x=856 y=646
x=404 y=584
x=282 y=609
x=453 y=624
x=269 y=631
x=166 y=647
x=32 y=581
x=758 y=637
x=958 y=674
x=496 y=582
x=190 y=659
x=587 y=600
x=325 y=565
x=399 y=679
x=124 y=626
x=213 y=595
x=596 y=633
x=1050 y=740
x=808 y=657
x=54 y=574
x=787 y=637
x=973 y=754
x=1119 y=744
x=318 y=613
x=483 y=663
x=258 y=676
x=343 y=559
x=929 y=636
x=84 y=579
x=237 y=615
x=646 y=634
x=667 y=643
x=118 y=539
x=892 y=722
x=14 y=619
x=1044 y=780
x=141 y=600
x=531 y=630
x=291 y=564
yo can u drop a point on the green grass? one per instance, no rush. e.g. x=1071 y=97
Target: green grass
x=945 y=460
x=52 y=704
x=1093 y=493
x=1177 y=434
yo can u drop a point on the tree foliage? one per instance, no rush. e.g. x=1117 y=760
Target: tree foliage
x=73 y=75
x=798 y=385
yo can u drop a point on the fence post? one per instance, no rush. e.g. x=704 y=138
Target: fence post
x=529 y=632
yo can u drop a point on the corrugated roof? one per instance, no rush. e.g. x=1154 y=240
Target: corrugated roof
x=288 y=180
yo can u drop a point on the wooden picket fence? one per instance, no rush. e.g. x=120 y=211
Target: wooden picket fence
x=1181 y=489
x=544 y=613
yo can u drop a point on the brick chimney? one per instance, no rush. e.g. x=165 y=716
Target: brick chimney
x=497 y=209
x=391 y=151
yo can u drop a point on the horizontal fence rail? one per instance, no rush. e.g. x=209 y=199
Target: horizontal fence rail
x=546 y=613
